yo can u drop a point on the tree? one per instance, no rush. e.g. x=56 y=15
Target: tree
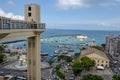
x=87 y=62
x=68 y=59
x=60 y=57
x=58 y=72
x=116 y=77
x=83 y=48
x=77 y=67
x=97 y=47
x=103 y=46
x=50 y=62
x=1 y=48
x=2 y=58
x=92 y=77
x=77 y=55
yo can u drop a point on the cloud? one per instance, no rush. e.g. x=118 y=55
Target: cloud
x=11 y=15
x=66 y=4
x=10 y=2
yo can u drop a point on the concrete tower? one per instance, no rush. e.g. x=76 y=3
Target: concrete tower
x=32 y=13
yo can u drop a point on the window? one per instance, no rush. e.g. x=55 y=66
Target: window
x=29 y=8
x=29 y=77
x=29 y=62
x=106 y=66
x=102 y=61
x=29 y=14
x=34 y=62
x=6 y=23
x=106 y=61
x=98 y=60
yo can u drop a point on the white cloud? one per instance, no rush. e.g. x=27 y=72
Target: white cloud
x=11 y=15
x=10 y=2
x=66 y=4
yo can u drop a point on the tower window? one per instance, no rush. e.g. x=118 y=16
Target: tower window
x=29 y=8
x=29 y=14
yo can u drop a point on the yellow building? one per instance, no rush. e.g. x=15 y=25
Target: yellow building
x=2 y=78
x=100 y=57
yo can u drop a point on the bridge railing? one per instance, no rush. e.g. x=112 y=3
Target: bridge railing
x=7 y=23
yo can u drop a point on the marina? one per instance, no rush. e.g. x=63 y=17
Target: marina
x=56 y=41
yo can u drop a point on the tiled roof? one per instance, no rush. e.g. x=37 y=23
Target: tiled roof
x=93 y=50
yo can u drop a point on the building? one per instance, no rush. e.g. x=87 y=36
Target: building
x=113 y=45
x=100 y=57
x=91 y=43
x=30 y=28
x=2 y=78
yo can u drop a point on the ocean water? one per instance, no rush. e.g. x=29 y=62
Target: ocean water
x=53 y=39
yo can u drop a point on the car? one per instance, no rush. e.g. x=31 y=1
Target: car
x=114 y=62
x=119 y=69
x=1 y=72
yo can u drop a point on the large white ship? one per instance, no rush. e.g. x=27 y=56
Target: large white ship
x=81 y=37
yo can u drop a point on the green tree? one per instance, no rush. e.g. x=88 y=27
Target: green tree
x=58 y=72
x=13 y=54
x=87 y=62
x=103 y=46
x=69 y=59
x=1 y=48
x=77 y=55
x=97 y=47
x=77 y=67
x=2 y=58
x=92 y=77
x=83 y=48
x=58 y=67
x=60 y=57
x=116 y=77
x=50 y=62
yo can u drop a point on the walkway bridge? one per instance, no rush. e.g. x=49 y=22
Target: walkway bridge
x=14 y=29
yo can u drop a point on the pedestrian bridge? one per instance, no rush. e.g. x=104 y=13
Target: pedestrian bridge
x=12 y=29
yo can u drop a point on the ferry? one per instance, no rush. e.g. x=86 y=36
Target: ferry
x=81 y=37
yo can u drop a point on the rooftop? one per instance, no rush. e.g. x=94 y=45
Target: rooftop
x=93 y=50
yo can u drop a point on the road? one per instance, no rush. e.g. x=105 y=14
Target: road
x=20 y=73
x=115 y=66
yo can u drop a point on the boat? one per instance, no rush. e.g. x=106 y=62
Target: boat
x=44 y=54
x=57 y=51
x=81 y=37
x=65 y=52
x=70 y=50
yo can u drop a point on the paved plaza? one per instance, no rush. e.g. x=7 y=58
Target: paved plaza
x=106 y=74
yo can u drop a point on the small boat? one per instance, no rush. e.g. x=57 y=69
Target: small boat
x=70 y=50
x=57 y=51
x=65 y=52
x=44 y=54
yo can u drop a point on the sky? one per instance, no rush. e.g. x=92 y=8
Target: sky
x=69 y=14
